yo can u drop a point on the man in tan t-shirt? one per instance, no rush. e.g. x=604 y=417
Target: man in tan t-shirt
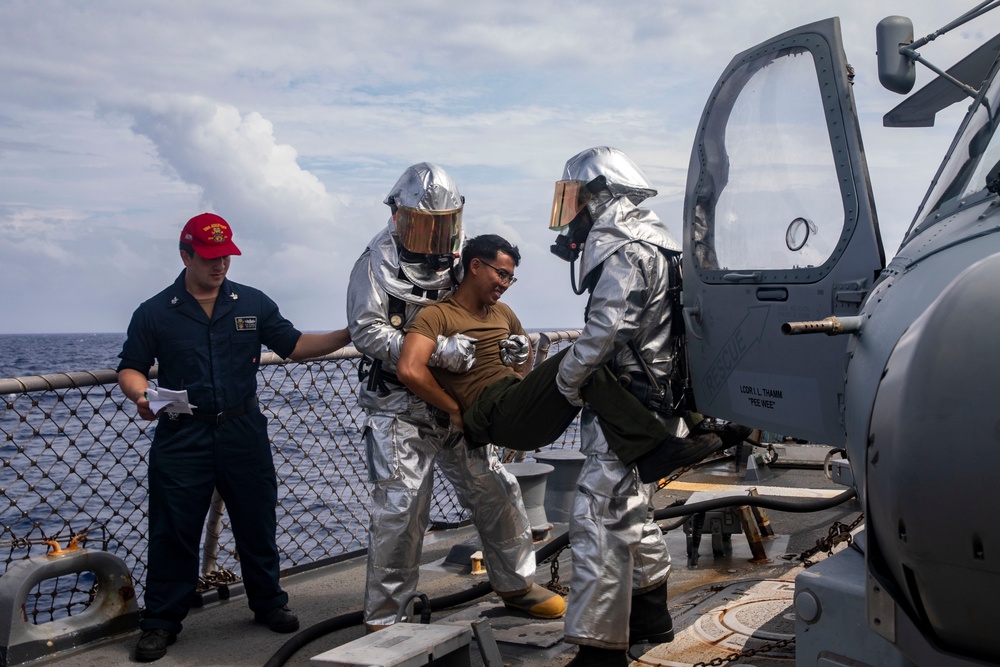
x=497 y=323
x=518 y=410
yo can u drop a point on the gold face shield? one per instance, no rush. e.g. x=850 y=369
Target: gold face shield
x=429 y=232
x=570 y=198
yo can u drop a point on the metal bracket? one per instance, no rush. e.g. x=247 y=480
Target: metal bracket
x=483 y=632
x=881 y=610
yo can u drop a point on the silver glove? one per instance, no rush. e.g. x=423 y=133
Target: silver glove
x=571 y=394
x=515 y=350
x=455 y=353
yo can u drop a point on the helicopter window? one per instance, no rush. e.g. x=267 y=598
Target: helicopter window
x=772 y=198
x=984 y=153
x=973 y=159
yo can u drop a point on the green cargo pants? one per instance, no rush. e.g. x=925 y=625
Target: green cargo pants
x=532 y=413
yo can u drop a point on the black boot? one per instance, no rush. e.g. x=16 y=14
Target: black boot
x=153 y=644
x=674 y=453
x=591 y=656
x=734 y=434
x=649 y=620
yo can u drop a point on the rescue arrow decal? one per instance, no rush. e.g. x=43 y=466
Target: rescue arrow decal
x=745 y=336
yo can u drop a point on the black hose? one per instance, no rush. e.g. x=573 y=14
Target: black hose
x=314 y=632
x=769 y=503
x=425 y=614
x=350 y=619
x=666 y=528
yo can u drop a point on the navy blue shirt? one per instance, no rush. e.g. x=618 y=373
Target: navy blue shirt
x=215 y=361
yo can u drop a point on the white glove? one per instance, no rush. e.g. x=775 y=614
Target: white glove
x=571 y=394
x=514 y=350
x=456 y=353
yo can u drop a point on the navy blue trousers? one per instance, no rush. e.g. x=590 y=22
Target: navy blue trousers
x=185 y=464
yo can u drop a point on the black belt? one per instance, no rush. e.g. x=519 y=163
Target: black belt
x=392 y=379
x=378 y=379
x=216 y=418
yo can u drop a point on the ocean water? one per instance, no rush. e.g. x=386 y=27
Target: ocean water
x=41 y=354
x=72 y=461
x=52 y=480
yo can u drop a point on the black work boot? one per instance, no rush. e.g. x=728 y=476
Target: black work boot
x=279 y=619
x=153 y=645
x=674 y=453
x=734 y=434
x=591 y=656
x=649 y=620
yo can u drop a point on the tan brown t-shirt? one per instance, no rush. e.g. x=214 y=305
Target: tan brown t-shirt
x=447 y=318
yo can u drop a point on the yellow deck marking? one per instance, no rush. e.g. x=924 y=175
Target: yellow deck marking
x=741 y=490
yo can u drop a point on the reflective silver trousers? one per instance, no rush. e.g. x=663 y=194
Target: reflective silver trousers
x=402 y=450
x=618 y=549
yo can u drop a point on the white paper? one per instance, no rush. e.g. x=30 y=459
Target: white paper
x=175 y=402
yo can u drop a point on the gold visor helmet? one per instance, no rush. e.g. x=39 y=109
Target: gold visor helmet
x=587 y=174
x=427 y=211
x=429 y=232
x=571 y=197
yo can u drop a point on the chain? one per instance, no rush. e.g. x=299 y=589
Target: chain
x=732 y=657
x=763 y=648
x=22 y=542
x=553 y=584
x=662 y=484
x=510 y=455
x=215 y=579
x=837 y=533
x=75 y=537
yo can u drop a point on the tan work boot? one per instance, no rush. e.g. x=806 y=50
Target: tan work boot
x=539 y=602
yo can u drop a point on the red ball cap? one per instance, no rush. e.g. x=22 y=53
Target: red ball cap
x=210 y=236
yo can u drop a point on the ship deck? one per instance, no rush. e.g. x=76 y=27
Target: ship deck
x=727 y=603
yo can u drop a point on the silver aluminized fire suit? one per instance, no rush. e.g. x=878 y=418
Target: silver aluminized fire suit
x=618 y=550
x=404 y=440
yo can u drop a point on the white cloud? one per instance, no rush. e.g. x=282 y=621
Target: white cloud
x=121 y=120
x=237 y=163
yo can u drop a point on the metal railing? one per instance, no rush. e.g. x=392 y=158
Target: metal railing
x=74 y=460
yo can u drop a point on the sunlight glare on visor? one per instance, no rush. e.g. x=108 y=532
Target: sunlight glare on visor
x=569 y=199
x=428 y=233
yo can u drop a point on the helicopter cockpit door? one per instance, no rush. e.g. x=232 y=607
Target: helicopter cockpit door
x=779 y=226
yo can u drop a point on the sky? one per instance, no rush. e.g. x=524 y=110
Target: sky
x=121 y=120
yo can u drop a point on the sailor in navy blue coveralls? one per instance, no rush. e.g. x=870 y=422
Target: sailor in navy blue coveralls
x=224 y=446
x=206 y=333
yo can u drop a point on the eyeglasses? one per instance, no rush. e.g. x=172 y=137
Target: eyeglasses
x=505 y=278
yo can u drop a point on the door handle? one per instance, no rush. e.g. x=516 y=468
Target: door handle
x=692 y=319
x=755 y=276
x=772 y=294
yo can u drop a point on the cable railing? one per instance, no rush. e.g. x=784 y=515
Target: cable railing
x=74 y=461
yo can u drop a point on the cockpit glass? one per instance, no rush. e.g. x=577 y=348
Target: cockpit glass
x=773 y=197
x=974 y=159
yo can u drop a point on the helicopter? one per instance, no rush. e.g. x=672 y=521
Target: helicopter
x=796 y=323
